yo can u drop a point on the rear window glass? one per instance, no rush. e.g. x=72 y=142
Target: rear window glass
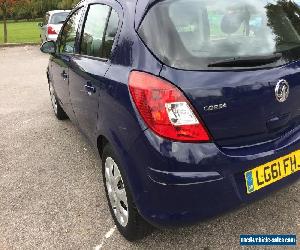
x=192 y=34
x=59 y=18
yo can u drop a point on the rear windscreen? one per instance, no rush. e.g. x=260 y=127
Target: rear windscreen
x=59 y=18
x=191 y=34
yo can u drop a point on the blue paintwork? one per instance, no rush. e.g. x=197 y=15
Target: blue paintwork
x=253 y=114
x=59 y=75
x=175 y=183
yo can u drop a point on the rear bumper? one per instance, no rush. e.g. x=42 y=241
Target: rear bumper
x=179 y=205
x=175 y=184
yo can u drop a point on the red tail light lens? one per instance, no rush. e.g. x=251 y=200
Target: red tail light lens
x=51 y=31
x=165 y=109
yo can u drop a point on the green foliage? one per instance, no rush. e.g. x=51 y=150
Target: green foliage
x=67 y=4
x=26 y=9
x=21 y=32
x=30 y=9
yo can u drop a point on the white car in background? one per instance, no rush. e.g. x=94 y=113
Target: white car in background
x=52 y=24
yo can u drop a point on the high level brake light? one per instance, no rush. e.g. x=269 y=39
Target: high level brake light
x=165 y=109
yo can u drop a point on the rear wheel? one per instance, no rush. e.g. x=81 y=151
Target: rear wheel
x=58 y=110
x=126 y=217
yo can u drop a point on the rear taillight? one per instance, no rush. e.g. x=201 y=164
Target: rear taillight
x=51 y=31
x=165 y=109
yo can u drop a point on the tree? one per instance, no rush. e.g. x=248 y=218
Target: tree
x=67 y=4
x=6 y=6
x=29 y=9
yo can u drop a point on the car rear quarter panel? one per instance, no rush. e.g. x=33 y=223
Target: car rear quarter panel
x=118 y=121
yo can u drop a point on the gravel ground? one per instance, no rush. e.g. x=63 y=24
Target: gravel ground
x=51 y=194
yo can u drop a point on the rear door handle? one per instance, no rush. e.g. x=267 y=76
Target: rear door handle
x=89 y=88
x=64 y=75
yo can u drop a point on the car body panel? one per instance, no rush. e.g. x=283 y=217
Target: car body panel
x=59 y=68
x=251 y=113
x=197 y=181
x=86 y=73
x=175 y=183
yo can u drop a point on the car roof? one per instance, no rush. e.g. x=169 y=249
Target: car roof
x=51 y=12
x=141 y=6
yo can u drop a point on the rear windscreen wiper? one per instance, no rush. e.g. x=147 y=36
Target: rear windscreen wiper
x=247 y=61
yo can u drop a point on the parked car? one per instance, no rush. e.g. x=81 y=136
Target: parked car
x=192 y=105
x=52 y=24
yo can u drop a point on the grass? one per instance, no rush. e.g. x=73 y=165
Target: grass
x=21 y=32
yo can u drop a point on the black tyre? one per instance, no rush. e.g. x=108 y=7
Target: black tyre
x=58 y=110
x=126 y=217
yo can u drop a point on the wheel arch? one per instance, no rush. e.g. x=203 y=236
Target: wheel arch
x=102 y=141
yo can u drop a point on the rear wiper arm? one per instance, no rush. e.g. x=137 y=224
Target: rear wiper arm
x=247 y=61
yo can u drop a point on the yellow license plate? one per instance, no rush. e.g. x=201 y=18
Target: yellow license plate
x=272 y=171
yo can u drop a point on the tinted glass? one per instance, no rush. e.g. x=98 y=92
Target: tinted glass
x=59 y=18
x=191 y=34
x=94 y=28
x=68 y=35
x=111 y=31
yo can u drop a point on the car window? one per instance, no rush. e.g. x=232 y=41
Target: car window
x=94 y=28
x=59 y=18
x=193 y=34
x=111 y=31
x=68 y=35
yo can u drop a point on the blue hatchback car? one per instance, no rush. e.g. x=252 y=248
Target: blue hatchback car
x=193 y=105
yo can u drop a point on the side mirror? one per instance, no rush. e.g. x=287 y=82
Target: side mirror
x=40 y=24
x=48 y=47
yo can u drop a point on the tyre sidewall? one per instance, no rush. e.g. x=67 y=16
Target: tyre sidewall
x=130 y=231
x=60 y=114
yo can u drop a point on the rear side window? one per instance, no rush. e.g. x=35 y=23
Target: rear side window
x=68 y=36
x=111 y=31
x=99 y=31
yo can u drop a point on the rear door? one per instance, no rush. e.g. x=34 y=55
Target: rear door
x=88 y=68
x=61 y=60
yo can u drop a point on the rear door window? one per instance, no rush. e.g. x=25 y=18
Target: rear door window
x=111 y=31
x=94 y=28
x=99 y=32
